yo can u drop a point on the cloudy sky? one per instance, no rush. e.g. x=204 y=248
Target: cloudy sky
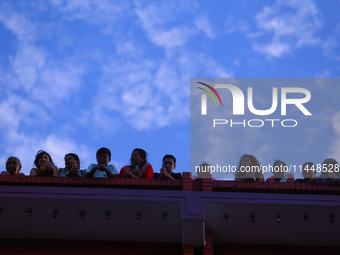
x=79 y=75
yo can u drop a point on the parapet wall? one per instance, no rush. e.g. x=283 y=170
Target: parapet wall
x=187 y=184
x=203 y=216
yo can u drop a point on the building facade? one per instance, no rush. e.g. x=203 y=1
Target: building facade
x=59 y=215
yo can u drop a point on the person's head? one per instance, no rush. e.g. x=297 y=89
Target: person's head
x=41 y=158
x=103 y=156
x=138 y=157
x=72 y=159
x=279 y=169
x=169 y=162
x=249 y=162
x=330 y=165
x=308 y=170
x=13 y=165
x=245 y=161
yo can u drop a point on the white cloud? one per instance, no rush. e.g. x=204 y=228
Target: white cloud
x=154 y=19
x=58 y=81
x=17 y=23
x=138 y=97
x=26 y=65
x=323 y=74
x=233 y=24
x=163 y=26
x=329 y=45
x=44 y=78
x=275 y=49
x=203 y=23
x=104 y=11
x=236 y=62
x=8 y=114
x=149 y=93
x=128 y=47
x=34 y=86
x=177 y=36
x=292 y=23
x=17 y=112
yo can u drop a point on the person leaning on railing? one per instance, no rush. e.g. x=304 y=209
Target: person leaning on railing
x=13 y=167
x=280 y=173
x=308 y=171
x=139 y=167
x=166 y=172
x=103 y=169
x=330 y=172
x=44 y=165
x=72 y=166
x=249 y=169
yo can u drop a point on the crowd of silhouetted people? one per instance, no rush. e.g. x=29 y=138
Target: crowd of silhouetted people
x=249 y=168
x=138 y=167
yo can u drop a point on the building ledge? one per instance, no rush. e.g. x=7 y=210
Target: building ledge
x=187 y=184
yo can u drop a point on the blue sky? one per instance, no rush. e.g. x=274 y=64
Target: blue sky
x=79 y=75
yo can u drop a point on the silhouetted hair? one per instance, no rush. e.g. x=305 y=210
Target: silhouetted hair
x=331 y=161
x=17 y=159
x=254 y=162
x=104 y=150
x=310 y=165
x=73 y=155
x=171 y=157
x=143 y=155
x=39 y=154
x=278 y=162
x=274 y=165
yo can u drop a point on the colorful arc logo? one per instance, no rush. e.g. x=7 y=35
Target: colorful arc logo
x=204 y=97
x=218 y=96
